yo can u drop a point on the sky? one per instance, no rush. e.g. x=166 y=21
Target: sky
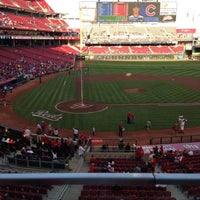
x=65 y=6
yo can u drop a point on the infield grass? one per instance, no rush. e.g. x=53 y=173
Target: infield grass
x=111 y=92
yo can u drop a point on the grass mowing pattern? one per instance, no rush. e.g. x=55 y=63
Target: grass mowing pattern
x=112 y=92
x=179 y=68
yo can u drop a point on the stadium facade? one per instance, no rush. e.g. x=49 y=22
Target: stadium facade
x=104 y=31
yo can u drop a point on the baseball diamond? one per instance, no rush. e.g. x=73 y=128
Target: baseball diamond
x=88 y=107
x=99 y=99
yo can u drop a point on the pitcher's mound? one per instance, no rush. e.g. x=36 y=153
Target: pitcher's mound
x=76 y=107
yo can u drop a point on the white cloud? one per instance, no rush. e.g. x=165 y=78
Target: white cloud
x=71 y=7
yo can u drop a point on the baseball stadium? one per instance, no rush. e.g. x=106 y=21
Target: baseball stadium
x=99 y=100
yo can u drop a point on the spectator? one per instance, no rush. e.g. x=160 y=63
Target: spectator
x=182 y=161
x=189 y=168
x=155 y=150
x=93 y=159
x=81 y=151
x=83 y=139
x=111 y=168
x=104 y=168
x=161 y=150
x=23 y=151
x=43 y=126
x=134 y=147
x=111 y=162
x=55 y=132
x=104 y=147
x=120 y=127
x=137 y=169
x=153 y=164
x=127 y=147
x=45 y=139
x=75 y=133
x=39 y=128
x=190 y=153
x=139 y=153
x=50 y=129
x=92 y=168
x=121 y=144
x=150 y=159
x=54 y=155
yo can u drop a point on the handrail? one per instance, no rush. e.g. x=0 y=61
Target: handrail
x=99 y=178
x=171 y=139
x=112 y=145
x=37 y=163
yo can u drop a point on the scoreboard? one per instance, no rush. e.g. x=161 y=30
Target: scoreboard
x=105 y=11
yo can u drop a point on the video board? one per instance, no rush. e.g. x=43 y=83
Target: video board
x=104 y=11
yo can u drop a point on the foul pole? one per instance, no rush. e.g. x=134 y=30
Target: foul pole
x=81 y=51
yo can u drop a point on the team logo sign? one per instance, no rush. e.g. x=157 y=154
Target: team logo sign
x=46 y=115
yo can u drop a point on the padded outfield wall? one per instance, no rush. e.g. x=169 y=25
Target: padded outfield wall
x=135 y=57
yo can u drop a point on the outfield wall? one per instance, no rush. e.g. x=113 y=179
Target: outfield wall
x=132 y=57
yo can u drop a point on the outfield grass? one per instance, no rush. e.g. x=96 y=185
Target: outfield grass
x=112 y=92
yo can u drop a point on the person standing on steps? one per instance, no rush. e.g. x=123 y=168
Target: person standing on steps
x=75 y=133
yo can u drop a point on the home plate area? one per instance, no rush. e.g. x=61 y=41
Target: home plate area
x=80 y=107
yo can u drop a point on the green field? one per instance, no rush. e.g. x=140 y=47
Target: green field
x=110 y=92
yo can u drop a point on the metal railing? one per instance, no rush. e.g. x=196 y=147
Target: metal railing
x=174 y=139
x=99 y=178
x=39 y=163
x=113 y=145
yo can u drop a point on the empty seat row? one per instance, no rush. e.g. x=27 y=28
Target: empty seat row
x=31 y=6
x=136 y=49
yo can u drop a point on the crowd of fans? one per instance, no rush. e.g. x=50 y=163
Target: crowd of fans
x=44 y=144
x=18 y=71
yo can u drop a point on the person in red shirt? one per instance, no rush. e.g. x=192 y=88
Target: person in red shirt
x=189 y=168
x=92 y=168
x=175 y=128
x=45 y=139
x=120 y=127
x=132 y=118
x=43 y=126
x=92 y=159
x=139 y=153
x=128 y=118
x=83 y=139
